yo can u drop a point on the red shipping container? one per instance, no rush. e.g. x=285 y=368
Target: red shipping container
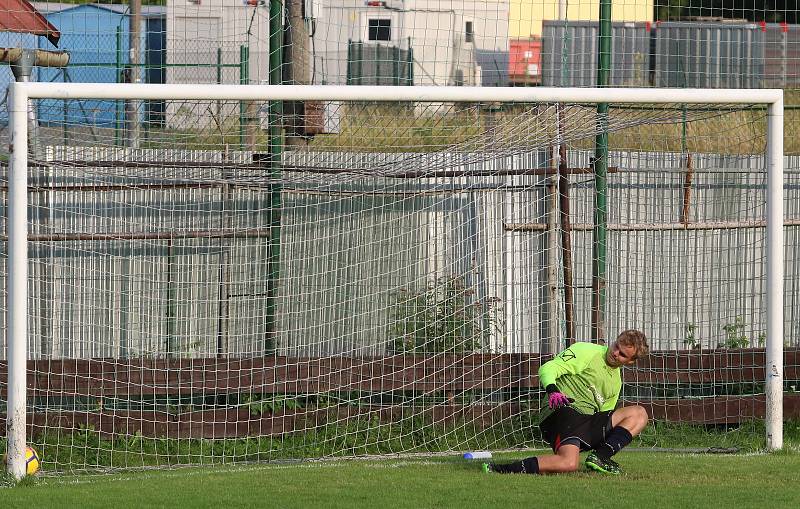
x=525 y=61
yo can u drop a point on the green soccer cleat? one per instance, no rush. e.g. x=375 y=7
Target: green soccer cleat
x=486 y=468
x=606 y=466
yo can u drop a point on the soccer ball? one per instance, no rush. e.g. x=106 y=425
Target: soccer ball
x=32 y=461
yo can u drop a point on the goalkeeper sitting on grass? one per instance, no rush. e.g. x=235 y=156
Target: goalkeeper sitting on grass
x=583 y=384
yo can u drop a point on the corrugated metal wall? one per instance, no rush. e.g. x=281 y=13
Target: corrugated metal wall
x=782 y=55
x=569 y=54
x=709 y=55
x=667 y=281
x=350 y=244
x=494 y=66
x=378 y=64
x=364 y=241
x=672 y=54
x=122 y=294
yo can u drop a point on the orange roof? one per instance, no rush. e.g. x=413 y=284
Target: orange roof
x=21 y=16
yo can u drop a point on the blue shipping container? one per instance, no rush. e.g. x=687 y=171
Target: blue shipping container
x=97 y=39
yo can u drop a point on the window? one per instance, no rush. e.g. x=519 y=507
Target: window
x=469 y=33
x=380 y=30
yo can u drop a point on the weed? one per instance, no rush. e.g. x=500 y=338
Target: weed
x=691 y=340
x=444 y=316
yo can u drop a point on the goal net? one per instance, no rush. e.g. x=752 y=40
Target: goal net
x=293 y=272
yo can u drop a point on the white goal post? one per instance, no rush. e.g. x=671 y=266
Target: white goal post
x=18 y=204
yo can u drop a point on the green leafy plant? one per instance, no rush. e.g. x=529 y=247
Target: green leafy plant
x=735 y=336
x=444 y=316
x=271 y=405
x=691 y=340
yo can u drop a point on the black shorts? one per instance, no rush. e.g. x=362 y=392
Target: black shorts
x=568 y=426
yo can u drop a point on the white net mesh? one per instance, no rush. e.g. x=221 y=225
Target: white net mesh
x=220 y=294
x=234 y=280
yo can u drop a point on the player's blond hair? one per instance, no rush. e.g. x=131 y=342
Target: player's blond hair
x=636 y=339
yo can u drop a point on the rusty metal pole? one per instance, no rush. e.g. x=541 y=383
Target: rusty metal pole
x=566 y=238
x=297 y=56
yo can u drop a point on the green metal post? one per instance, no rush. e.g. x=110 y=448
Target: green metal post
x=395 y=65
x=275 y=147
x=244 y=79
x=219 y=65
x=683 y=119
x=349 y=61
x=410 y=64
x=64 y=115
x=377 y=77
x=219 y=82
x=118 y=72
x=171 y=345
x=600 y=178
x=359 y=63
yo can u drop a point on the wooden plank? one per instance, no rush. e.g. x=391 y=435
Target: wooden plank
x=420 y=373
x=231 y=423
x=278 y=375
x=718 y=410
x=240 y=422
x=709 y=366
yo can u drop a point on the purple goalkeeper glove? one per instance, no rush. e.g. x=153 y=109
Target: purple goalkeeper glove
x=555 y=398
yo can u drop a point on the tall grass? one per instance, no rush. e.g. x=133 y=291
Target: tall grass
x=85 y=449
x=517 y=128
x=491 y=128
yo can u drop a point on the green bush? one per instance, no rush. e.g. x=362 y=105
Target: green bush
x=444 y=316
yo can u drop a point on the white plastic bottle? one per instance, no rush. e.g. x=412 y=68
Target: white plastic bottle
x=477 y=455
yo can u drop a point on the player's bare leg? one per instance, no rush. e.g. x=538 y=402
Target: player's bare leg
x=626 y=423
x=632 y=418
x=567 y=459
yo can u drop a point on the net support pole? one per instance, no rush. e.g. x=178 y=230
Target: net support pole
x=17 y=281
x=244 y=79
x=775 y=270
x=275 y=144
x=600 y=234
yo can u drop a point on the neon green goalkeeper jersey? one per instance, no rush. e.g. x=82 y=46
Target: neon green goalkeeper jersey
x=581 y=373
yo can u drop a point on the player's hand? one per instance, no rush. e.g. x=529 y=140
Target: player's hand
x=556 y=398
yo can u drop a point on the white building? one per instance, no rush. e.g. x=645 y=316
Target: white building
x=211 y=34
x=387 y=42
x=443 y=36
x=215 y=41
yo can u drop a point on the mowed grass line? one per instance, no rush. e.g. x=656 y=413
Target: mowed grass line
x=652 y=480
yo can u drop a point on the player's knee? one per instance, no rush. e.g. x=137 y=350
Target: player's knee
x=572 y=465
x=569 y=464
x=641 y=415
x=638 y=419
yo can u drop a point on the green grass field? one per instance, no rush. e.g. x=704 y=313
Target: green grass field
x=652 y=480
